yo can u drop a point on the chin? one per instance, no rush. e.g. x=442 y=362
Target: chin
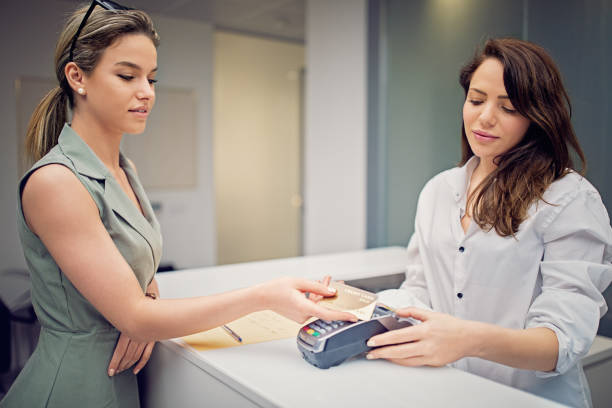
x=135 y=130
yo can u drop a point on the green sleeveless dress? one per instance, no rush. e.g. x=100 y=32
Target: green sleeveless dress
x=69 y=366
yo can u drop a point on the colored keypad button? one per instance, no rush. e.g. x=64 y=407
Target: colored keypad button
x=316 y=334
x=310 y=331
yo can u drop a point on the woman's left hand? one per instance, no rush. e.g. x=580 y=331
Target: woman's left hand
x=129 y=352
x=439 y=340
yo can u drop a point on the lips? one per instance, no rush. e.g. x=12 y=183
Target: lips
x=484 y=136
x=140 y=113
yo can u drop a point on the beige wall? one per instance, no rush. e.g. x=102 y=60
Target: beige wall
x=335 y=137
x=256 y=93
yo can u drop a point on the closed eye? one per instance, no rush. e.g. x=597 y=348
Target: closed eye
x=125 y=77
x=475 y=102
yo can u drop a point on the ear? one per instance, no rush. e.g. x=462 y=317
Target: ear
x=74 y=76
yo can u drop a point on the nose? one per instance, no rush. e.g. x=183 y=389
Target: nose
x=487 y=115
x=145 y=90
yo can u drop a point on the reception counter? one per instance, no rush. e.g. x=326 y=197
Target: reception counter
x=273 y=374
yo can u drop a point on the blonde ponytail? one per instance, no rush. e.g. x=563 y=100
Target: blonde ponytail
x=102 y=29
x=46 y=124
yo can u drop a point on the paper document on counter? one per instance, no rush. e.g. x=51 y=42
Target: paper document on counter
x=267 y=325
x=253 y=328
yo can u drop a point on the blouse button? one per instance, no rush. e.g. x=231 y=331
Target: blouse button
x=461 y=249
x=459 y=295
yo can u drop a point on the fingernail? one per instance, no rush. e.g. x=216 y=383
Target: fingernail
x=136 y=372
x=370 y=356
x=371 y=343
x=111 y=372
x=331 y=290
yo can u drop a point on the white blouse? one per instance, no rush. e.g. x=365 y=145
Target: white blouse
x=551 y=275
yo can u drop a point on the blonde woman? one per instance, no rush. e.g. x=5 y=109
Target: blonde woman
x=89 y=233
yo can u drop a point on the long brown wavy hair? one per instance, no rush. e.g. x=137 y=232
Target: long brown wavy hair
x=534 y=86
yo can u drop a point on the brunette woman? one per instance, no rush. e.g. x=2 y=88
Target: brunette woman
x=512 y=249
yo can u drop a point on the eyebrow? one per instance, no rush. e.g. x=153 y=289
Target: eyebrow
x=485 y=94
x=132 y=65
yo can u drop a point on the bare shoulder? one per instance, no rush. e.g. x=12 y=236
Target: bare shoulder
x=52 y=181
x=52 y=194
x=50 y=174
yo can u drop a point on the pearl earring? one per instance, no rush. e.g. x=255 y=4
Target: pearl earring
x=81 y=91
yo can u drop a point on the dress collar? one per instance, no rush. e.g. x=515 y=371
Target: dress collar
x=88 y=164
x=83 y=158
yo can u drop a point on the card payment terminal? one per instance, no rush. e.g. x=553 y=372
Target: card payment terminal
x=326 y=343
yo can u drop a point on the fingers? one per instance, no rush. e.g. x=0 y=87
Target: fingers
x=419 y=314
x=314 y=287
x=405 y=335
x=133 y=352
x=118 y=354
x=328 y=314
x=126 y=354
x=146 y=354
x=315 y=298
x=138 y=355
x=397 y=352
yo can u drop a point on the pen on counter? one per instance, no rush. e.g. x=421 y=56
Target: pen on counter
x=232 y=333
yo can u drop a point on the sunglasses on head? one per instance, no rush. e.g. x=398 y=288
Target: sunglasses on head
x=105 y=4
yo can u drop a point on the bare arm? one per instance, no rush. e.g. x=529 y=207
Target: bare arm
x=61 y=212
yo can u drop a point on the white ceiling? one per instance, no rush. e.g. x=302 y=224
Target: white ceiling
x=282 y=19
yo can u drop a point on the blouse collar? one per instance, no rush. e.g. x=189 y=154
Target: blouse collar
x=459 y=179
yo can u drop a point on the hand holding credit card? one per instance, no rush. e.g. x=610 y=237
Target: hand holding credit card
x=359 y=302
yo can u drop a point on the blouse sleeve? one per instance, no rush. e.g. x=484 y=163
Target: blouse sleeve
x=413 y=291
x=415 y=281
x=575 y=269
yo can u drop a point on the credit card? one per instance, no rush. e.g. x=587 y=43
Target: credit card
x=350 y=299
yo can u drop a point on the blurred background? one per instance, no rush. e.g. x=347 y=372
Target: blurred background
x=296 y=127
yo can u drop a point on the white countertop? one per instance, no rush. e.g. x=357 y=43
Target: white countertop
x=349 y=265
x=273 y=374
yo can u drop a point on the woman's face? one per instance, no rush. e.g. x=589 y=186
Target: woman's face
x=120 y=90
x=492 y=125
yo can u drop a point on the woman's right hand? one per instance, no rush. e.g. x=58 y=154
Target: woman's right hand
x=326 y=280
x=287 y=296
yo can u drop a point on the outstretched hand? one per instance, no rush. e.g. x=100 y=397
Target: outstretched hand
x=439 y=340
x=286 y=296
x=315 y=298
